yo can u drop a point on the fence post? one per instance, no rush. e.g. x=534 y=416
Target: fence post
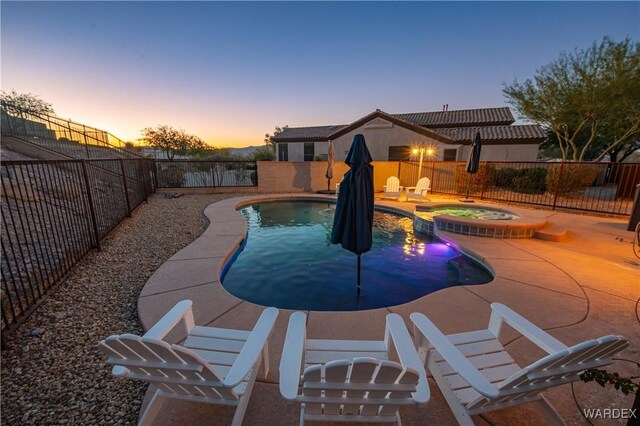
x=155 y=173
x=213 y=175
x=94 y=220
x=555 y=198
x=126 y=189
x=486 y=179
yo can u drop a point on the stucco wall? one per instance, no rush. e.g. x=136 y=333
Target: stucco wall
x=503 y=153
x=380 y=135
x=308 y=176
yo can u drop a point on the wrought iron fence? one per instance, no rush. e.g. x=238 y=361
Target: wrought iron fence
x=66 y=137
x=593 y=187
x=53 y=214
x=205 y=174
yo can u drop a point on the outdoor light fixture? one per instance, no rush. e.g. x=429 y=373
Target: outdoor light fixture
x=430 y=151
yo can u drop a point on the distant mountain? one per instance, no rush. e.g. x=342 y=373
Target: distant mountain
x=246 y=151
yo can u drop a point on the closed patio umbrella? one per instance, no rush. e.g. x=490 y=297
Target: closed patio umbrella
x=473 y=163
x=330 y=159
x=353 y=221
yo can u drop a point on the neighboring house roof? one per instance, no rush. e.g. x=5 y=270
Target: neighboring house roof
x=458 y=126
x=528 y=133
x=393 y=119
x=460 y=118
x=307 y=134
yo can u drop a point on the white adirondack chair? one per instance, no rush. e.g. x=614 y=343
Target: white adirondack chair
x=420 y=192
x=392 y=189
x=213 y=365
x=476 y=374
x=351 y=380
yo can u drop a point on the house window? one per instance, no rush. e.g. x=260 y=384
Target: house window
x=399 y=153
x=450 y=155
x=283 y=152
x=309 y=149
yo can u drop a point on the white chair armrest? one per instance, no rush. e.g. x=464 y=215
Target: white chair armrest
x=401 y=339
x=292 y=356
x=181 y=311
x=452 y=355
x=252 y=348
x=501 y=313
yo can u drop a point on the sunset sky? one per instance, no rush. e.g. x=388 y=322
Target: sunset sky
x=230 y=72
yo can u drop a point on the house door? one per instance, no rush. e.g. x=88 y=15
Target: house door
x=283 y=152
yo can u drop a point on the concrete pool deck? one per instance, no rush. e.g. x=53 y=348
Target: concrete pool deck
x=584 y=287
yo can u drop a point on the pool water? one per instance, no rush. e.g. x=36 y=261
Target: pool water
x=469 y=212
x=287 y=261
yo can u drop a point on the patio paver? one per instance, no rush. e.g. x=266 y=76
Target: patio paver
x=578 y=289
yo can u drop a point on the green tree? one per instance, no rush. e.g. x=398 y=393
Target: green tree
x=265 y=153
x=268 y=139
x=589 y=99
x=173 y=141
x=19 y=104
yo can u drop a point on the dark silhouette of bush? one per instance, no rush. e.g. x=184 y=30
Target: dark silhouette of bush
x=530 y=181
x=479 y=180
x=504 y=177
x=570 y=178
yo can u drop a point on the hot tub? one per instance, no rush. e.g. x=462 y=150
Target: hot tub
x=476 y=220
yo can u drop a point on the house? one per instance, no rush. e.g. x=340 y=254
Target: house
x=391 y=137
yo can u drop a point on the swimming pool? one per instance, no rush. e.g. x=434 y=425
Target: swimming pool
x=287 y=261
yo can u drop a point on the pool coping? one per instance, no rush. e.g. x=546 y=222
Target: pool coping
x=527 y=279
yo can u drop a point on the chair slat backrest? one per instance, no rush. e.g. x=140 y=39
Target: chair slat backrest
x=555 y=369
x=422 y=186
x=357 y=387
x=171 y=368
x=393 y=184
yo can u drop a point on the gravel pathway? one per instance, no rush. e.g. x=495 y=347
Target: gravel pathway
x=52 y=372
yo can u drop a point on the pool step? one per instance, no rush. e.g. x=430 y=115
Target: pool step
x=554 y=234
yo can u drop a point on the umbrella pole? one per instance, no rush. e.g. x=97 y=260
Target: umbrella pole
x=358 y=275
x=468 y=185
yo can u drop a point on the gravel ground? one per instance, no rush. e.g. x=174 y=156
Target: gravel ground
x=52 y=372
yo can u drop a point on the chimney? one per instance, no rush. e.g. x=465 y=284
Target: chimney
x=444 y=107
x=447 y=107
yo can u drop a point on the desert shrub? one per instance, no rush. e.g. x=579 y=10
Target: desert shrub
x=171 y=176
x=478 y=180
x=530 y=181
x=570 y=178
x=504 y=177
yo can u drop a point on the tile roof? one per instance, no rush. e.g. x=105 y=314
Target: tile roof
x=516 y=133
x=393 y=119
x=460 y=118
x=308 y=134
x=456 y=126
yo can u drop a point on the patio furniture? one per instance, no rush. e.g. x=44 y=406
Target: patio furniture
x=392 y=189
x=213 y=365
x=476 y=374
x=421 y=189
x=420 y=192
x=351 y=380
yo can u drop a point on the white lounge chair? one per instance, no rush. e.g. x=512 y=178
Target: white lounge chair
x=213 y=365
x=420 y=192
x=351 y=380
x=476 y=374
x=392 y=189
